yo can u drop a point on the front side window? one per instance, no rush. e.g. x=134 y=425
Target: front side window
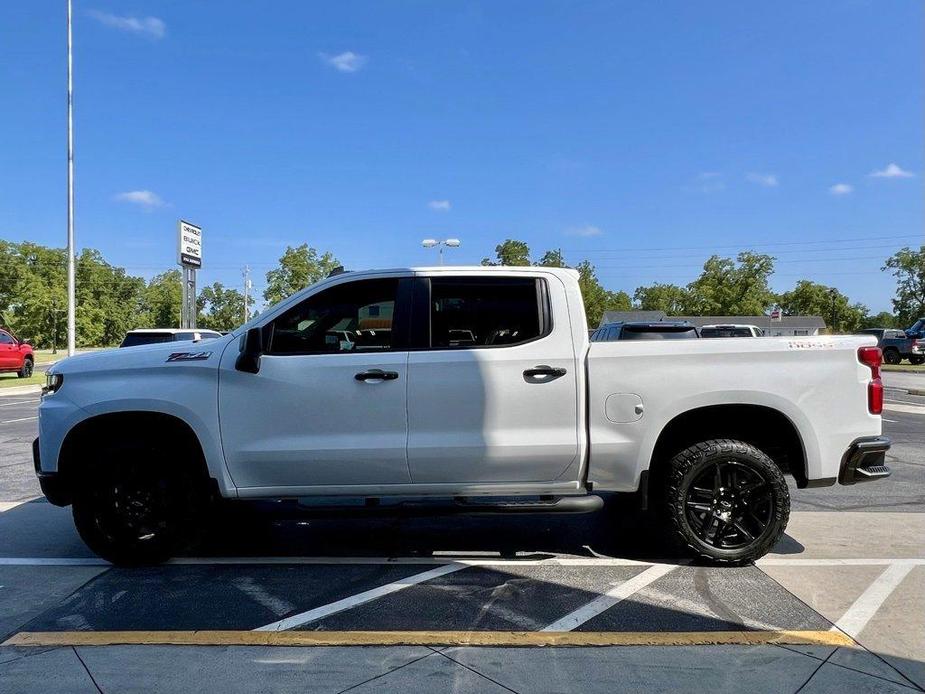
x=352 y=317
x=6 y=339
x=484 y=311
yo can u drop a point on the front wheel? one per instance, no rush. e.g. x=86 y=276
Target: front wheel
x=26 y=370
x=133 y=509
x=727 y=501
x=891 y=356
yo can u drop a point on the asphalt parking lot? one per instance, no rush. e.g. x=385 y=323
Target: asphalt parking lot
x=283 y=599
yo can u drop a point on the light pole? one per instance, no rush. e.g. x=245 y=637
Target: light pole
x=71 y=325
x=449 y=243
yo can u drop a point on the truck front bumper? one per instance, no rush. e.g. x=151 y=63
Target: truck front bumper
x=52 y=485
x=864 y=460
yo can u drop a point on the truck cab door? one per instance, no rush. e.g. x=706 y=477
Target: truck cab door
x=493 y=392
x=328 y=406
x=9 y=351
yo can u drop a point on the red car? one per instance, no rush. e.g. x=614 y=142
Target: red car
x=15 y=355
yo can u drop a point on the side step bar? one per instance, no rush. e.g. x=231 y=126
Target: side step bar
x=423 y=506
x=562 y=504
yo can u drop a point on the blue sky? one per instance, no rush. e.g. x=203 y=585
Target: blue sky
x=643 y=136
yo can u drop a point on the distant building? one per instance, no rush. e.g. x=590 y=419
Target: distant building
x=804 y=326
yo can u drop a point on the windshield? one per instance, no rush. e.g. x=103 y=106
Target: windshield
x=725 y=332
x=649 y=334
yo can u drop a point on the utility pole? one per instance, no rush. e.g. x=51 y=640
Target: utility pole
x=71 y=303
x=833 y=292
x=247 y=286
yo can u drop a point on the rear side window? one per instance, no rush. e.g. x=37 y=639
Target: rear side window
x=351 y=317
x=485 y=312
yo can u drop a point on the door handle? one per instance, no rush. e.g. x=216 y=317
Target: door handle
x=376 y=375
x=543 y=370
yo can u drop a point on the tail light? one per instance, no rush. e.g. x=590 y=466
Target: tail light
x=872 y=358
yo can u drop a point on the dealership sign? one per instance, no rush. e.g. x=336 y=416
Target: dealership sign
x=189 y=245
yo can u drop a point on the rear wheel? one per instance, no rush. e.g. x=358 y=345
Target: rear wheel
x=891 y=356
x=134 y=507
x=916 y=361
x=26 y=370
x=727 y=501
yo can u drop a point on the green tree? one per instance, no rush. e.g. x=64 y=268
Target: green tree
x=884 y=319
x=298 y=268
x=908 y=268
x=162 y=300
x=510 y=252
x=597 y=300
x=812 y=299
x=109 y=302
x=221 y=308
x=670 y=298
x=729 y=287
x=552 y=258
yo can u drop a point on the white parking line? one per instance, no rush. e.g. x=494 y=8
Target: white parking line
x=782 y=561
x=866 y=606
x=609 y=599
x=908 y=409
x=7 y=505
x=21 y=419
x=426 y=561
x=19 y=402
x=359 y=599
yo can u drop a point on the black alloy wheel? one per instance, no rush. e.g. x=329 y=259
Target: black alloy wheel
x=729 y=505
x=727 y=501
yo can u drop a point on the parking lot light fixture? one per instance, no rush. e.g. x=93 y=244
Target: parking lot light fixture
x=449 y=243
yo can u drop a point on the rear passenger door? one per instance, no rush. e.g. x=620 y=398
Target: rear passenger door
x=492 y=383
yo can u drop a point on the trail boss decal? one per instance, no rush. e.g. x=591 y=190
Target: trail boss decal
x=189 y=356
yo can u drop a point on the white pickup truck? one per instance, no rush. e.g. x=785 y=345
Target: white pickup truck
x=475 y=385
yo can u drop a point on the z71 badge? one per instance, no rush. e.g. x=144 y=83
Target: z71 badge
x=189 y=356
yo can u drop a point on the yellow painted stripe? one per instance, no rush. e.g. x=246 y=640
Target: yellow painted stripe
x=427 y=638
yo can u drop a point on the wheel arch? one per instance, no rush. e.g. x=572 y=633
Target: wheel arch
x=764 y=427
x=174 y=429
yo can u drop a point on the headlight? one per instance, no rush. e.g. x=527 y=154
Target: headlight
x=52 y=383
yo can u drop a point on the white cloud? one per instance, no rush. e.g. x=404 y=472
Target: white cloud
x=892 y=171
x=143 y=198
x=766 y=180
x=152 y=27
x=707 y=182
x=585 y=231
x=841 y=189
x=348 y=61
x=439 y=205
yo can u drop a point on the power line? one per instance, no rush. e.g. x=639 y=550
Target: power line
x=746 y=245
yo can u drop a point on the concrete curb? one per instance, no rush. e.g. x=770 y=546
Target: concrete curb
x=20 y=390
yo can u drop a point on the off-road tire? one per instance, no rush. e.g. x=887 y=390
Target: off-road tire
x=916 y=361
x=745 y=460
x=133 y=479
x=891 y=355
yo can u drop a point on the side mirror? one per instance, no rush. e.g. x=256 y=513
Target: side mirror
x=27 y=343
x=249 y=358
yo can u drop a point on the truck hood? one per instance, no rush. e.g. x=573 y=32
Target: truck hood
x=163 y=354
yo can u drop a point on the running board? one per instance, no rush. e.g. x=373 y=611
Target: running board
x=418 y=506
x=562 y=504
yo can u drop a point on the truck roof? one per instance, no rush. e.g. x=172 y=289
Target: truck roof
x=430 y=269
